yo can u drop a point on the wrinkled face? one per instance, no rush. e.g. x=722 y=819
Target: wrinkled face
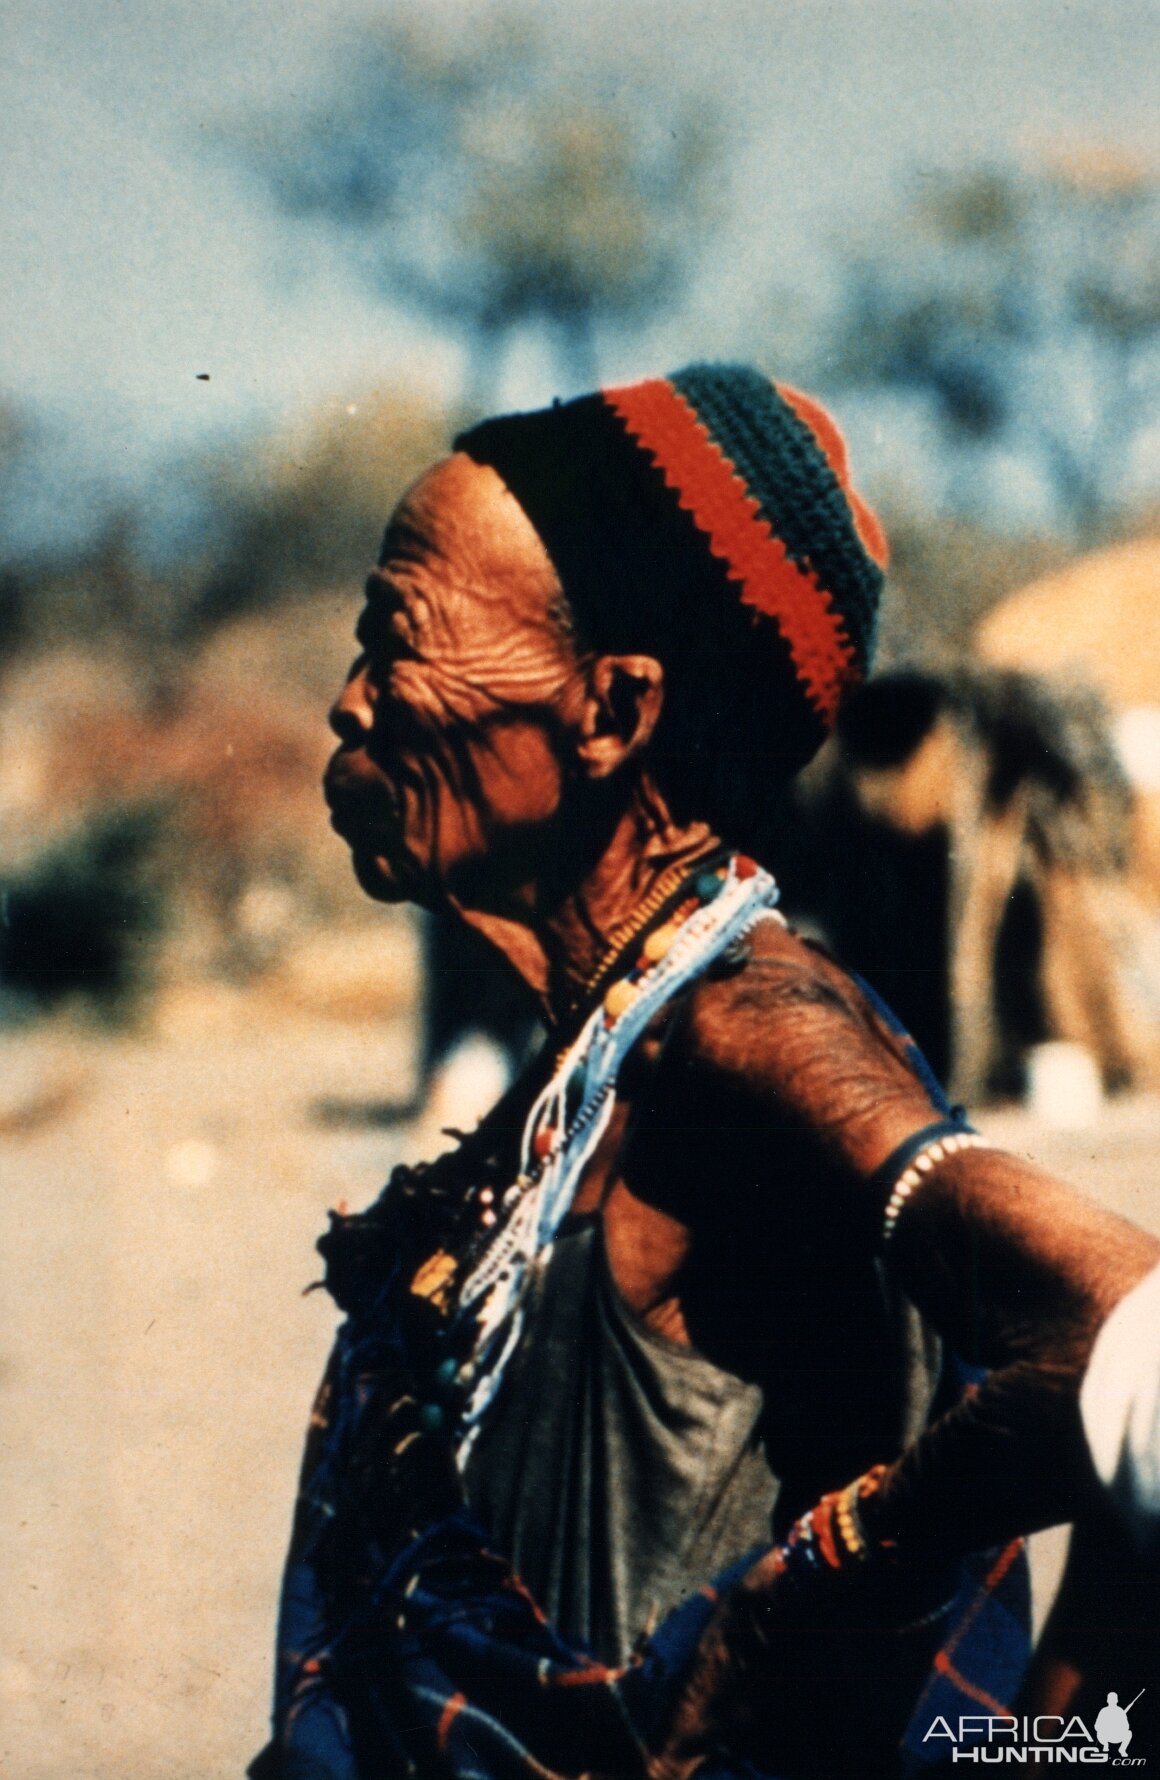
x=454 y=721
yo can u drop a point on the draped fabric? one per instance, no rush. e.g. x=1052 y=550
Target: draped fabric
x=409 y=1645
x=440 y=1663
x=617 y=1470
x=454 y=1672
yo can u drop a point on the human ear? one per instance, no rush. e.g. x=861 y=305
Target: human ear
x=621 y=706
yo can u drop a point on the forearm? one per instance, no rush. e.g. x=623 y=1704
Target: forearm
x=1007 y=1460
x=1009 y=1263
x=1017 y=1272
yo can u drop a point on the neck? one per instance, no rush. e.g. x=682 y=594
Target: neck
x=559 y=942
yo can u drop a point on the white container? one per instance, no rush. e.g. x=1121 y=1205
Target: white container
x=1063 y=1085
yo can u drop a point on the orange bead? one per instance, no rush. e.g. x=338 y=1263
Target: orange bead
x=659 y=941
x=619 y=999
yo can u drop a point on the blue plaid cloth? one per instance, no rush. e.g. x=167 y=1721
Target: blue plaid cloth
x=447 y=1667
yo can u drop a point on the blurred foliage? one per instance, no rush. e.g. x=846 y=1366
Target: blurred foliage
x=945 y=575
x=84 y=921
x=104 y=591
x=481 y=184
x=307 y=509
x=1024 y=305
x=65 y=579
x=254 y=523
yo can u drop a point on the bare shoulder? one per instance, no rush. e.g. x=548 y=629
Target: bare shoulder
x=791 y=1036
x=775 y=983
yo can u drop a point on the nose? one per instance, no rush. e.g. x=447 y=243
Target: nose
x=352 y=714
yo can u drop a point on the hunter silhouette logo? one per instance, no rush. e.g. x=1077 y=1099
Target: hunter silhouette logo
x=1048 y=1737
x=1112 y=1723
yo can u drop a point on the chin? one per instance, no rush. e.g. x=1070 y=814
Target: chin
x=384 y=879
x=376 y=878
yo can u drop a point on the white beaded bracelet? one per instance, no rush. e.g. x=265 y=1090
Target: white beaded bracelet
x=922 y=1164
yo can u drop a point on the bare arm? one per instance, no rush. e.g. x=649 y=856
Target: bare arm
x=1019 y=1273
x=1015 y=1270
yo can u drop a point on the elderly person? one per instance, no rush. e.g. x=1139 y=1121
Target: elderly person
x=651 y=1336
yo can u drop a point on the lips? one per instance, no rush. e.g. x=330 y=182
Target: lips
x=359 y=810
x=337 y=798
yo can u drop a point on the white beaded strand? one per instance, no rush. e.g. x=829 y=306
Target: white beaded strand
x=920 y=1166
x=500 y=1279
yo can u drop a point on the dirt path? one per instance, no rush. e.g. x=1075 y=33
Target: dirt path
x=159 y=1203
x=156 y=1364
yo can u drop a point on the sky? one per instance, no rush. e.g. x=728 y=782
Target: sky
x=137 y=256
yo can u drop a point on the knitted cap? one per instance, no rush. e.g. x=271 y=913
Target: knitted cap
x=707 y=519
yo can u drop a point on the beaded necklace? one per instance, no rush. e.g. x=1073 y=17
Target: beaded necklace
x=483 y=1290
x=674 y=880
x=434 y=1277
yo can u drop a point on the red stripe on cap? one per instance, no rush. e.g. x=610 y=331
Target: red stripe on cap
x=709 y=488
x=833 y=448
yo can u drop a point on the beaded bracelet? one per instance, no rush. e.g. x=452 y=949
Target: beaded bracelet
x=849 y=1515
x=831 y=1538
x=923 y=1160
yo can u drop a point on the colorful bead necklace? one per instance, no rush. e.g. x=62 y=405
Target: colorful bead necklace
x=674 y=880
x=566 y=1122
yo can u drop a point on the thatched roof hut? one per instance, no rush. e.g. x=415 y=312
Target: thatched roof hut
x=1097 y=620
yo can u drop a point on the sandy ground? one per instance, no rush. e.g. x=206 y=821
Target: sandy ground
x=160 y=1199
x=156 y=1363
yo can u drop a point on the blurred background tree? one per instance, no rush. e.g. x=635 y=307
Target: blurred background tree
x=1023 y=307
x=475 y=181
x=302 y=508
x=993 y=353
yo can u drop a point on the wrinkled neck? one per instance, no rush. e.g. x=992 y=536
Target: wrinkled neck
x=558 y=936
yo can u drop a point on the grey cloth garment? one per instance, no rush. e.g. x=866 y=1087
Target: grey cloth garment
x=617 y=1470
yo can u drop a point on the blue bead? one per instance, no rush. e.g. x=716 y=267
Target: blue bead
x=707 y=885
x=445 y=1371
x=431 y=1418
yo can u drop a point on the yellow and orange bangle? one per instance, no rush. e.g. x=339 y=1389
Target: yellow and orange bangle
x=832 y=1537
x=848 y=1513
